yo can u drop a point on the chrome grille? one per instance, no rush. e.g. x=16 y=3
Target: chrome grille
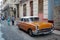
x=46 y=30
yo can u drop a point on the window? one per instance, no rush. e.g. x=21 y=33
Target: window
x=15 y=12
x=34 y=19
x=24 y=10
x=40 y=6
x=26 y=20
x=31 y=7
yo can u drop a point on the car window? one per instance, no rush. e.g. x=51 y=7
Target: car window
x=21 y=19
x=26 y=20
x=34 y=19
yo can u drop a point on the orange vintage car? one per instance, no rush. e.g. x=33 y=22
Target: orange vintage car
x=33 y=26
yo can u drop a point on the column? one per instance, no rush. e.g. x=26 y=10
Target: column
x=45 y=9
x=21 y=10
x=16 y=11
x=28 y=8
x=35 y=7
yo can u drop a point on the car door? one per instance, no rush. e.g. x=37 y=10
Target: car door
x=22 y=23
x=26 y=24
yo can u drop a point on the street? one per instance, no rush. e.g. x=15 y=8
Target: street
x=34 y=16
x=13 y=33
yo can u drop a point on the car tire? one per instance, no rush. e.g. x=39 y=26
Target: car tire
x=19 y=27
x=30 y=32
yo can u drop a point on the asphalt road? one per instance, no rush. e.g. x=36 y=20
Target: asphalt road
x=13 y=33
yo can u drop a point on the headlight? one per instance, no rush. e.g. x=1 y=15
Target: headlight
x=36 y=27
x=52 y=25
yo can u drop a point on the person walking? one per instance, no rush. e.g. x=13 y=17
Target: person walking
x=8 y=20
x=13 y=20
x=0 y=19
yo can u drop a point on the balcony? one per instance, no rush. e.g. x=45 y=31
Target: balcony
x=17 y=1
x=4 y=5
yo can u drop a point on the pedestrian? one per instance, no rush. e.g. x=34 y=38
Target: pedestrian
x=8 y=20
x=0 y=19
x=13 y=20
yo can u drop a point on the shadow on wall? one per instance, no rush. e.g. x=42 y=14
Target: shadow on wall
x=41 y=17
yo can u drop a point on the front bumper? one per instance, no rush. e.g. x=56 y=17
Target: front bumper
x=38 y=32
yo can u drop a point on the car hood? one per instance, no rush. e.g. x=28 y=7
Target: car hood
x=42 y=25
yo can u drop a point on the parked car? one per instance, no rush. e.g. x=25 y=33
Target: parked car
x=33 y=26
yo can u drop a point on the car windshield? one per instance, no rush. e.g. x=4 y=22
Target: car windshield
x=34 y=19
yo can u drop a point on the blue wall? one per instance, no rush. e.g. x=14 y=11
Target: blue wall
x=50 y=10
x=56 y=2
x=51 y=4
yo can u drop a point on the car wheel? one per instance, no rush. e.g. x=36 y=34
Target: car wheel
x=30 y=33
x=19 y=27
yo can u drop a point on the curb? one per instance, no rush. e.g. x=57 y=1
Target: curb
x=56 y=32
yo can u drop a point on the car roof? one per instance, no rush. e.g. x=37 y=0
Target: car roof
x=29 y=16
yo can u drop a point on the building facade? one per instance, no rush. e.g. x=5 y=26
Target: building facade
x=7 y=8
x=34 y=8
x=47 y=10
x=16 y=8
x=0 y=8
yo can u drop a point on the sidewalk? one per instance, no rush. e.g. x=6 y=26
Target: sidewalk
x=5 y=22
x=1 y=33
x=56 y=32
